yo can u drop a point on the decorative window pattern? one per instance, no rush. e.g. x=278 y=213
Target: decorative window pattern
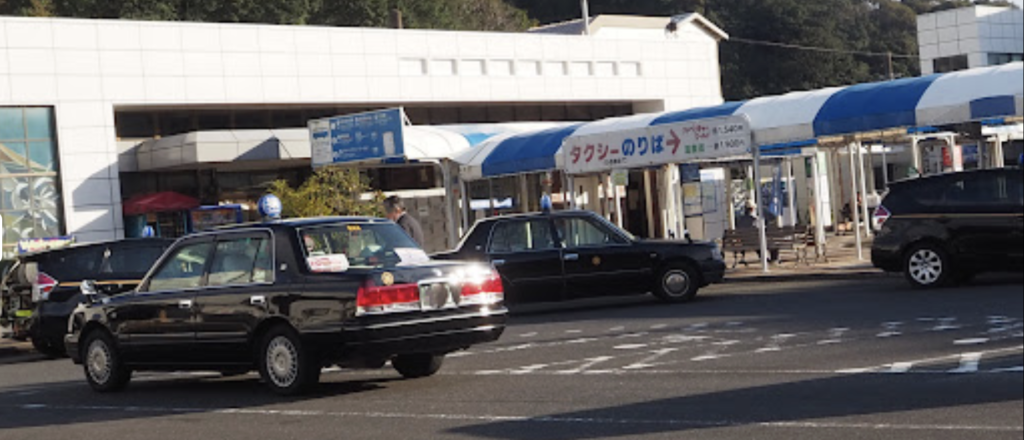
x=29 y=188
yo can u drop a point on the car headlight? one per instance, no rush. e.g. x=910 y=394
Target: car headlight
x=716 y=253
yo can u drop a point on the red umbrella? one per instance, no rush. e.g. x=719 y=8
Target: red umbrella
x=159 y=202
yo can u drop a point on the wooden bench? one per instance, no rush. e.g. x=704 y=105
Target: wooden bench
x=788 y=239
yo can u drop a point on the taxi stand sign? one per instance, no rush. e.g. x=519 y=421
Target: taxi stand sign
x=681 y=142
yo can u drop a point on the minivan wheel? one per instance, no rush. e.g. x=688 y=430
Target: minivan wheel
x=285 y=366
x=104 y=369
x=416 y=366
x=927 y=266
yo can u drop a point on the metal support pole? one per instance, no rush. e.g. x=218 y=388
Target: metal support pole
x=571 y=203
x=466 y=205
x=915 y=154
x=490 y=197
x=616 y=206
x=819 y=206
x=853 y=200
x=524 y=190
x=885 y=165
x=449 y=205
x=864 y=191
x=761 y=225
x=730 y=210
x=791 y=191
x=1000 y=155
x=585 y=8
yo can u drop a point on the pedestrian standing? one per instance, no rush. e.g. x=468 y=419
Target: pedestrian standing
x=395 y=211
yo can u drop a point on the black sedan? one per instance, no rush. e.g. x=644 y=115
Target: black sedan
x=576 y=254
x=288 y=298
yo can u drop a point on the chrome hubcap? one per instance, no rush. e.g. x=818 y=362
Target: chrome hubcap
x=282 y=362
x=98 y=361
x=676 y=283
x=925 y=266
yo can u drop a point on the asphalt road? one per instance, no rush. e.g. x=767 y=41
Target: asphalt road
x=860 y=359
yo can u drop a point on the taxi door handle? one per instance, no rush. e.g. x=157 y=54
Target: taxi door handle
x=497 y=263
x=258 y=300
x=571 y=257
x=185 y=304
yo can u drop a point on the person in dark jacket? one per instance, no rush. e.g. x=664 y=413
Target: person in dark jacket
x=395 y=211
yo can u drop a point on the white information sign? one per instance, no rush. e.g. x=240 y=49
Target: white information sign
x=681 y=142
x=334 y=263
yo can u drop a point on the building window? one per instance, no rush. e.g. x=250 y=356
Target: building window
x=950 y=64
x=29 y=190
x=998 y=59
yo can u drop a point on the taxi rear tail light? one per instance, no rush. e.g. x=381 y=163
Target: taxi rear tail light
x=378 y=300
x=483 y=291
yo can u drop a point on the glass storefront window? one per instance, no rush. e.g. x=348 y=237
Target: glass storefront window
x=30 y=197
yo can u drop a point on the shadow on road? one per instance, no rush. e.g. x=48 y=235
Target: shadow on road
x=811 y=401
x=69 y=403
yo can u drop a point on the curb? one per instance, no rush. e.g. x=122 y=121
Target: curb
x=844 y=276
x=8 y=350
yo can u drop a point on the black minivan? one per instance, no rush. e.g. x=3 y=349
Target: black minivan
x=948 y=228
x=40 y=290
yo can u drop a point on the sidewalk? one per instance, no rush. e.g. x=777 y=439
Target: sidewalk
x=842 y=265
x=10 y=347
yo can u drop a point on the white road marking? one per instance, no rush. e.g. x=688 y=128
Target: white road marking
x=659 y=326
x=971 y=341
x=630 y=346
x=734 y=324
x=488 y=418
x=698 y=326
x=1009 y=370
x=946 y=324
x=528 y=335
x=891 y=330
x=633 y=335
x=835 y=336
x=715 y=352
x=776 y=343
x=574 y=331
x=589 y=363
x=933 y=360
x=681 y=339
x=900 y=367
x=646 y=362
x=968 y=363
x=617 y=329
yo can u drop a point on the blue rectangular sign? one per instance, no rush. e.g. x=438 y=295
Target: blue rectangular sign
x=358 y=138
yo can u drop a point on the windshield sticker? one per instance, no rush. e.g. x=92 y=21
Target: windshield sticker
x=412 y=256
x=336 y=263
x=354 y=228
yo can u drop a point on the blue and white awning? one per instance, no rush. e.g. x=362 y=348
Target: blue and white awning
x=798 y=118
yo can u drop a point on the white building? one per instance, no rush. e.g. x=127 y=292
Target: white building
x=75 y=94
x=965 y=38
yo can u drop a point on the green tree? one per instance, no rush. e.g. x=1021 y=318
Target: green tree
x=330 y=191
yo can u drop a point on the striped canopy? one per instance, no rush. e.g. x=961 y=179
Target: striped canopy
x=797 y=118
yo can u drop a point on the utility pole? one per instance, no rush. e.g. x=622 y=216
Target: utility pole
x=585 y=7
x=892 y=74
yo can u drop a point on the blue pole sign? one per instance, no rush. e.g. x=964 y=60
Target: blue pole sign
x=361 y=137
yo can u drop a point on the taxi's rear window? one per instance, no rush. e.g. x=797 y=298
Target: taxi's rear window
x=364 y=245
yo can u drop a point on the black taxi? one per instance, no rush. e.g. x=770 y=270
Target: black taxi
x=567 y=255
x=287 y=298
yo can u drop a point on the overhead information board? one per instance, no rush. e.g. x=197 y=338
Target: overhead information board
x=361 y=137
x=681 y=142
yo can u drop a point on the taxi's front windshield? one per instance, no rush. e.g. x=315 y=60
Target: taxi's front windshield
x=365 y=245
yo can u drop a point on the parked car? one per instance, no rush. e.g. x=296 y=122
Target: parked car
x=576 y=254
x=948 y=228
x=287 y=298
x=40 y=290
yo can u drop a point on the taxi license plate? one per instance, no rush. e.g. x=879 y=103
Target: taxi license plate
x=436 y=296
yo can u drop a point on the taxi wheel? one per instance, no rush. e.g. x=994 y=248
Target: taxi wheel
x=104 y=369
x=416 y=366
x=677 y=283
x=285 y=366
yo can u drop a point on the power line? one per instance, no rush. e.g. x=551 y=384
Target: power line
x=820 y=49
